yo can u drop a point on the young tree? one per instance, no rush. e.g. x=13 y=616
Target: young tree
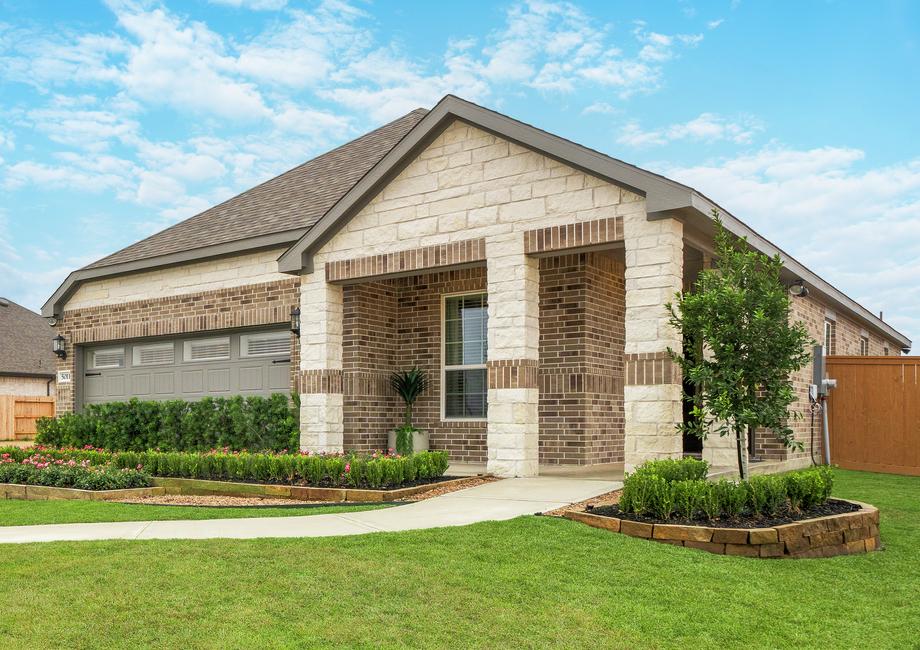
x=740 y=349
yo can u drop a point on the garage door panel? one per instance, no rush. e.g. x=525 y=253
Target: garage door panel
x=279 y=377
x=251 y=378
x=259 y=364
x=93 y=387
x=115 y=385
x=164 y=383
x=140 y=385
x=219 y=380
x=192 y=381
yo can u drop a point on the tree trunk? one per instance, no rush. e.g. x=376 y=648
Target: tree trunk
x=742 y=452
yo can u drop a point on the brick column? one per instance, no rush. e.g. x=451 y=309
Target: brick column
x=652 y=394
x=514 y=344
x=321 y=400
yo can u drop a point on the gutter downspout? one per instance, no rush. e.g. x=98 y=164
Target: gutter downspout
x=826 y=432
x=48 y=387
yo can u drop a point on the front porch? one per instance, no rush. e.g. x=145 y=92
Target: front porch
x=569 y=370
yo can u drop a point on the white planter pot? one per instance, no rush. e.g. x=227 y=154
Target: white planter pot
x=419 y=441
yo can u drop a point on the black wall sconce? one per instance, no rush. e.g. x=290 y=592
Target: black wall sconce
x=57 y=344
x=295 y=321
x=798 y=288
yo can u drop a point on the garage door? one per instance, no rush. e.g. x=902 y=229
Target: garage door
x=238 y=363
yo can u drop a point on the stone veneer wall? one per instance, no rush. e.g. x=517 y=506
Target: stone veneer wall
x=25 y=386
x=581 y=359
x=252 y=305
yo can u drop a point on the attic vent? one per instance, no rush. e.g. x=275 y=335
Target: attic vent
x=269 y=344
x=208 y=349
x=108 y=358
x=154 y=355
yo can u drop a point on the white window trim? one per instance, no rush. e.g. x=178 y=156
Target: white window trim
x=93 y=354
x=135 y=354
x=279 y=335
x=864 y=346
x=187 y=349
x=828 y=336
x=478 y=366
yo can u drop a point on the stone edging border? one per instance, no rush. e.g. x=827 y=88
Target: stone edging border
x=841 y=534
x=200 y=487
x=46 y=493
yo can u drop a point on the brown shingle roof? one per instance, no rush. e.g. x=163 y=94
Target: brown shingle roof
x=25 y=342
x=294 y=200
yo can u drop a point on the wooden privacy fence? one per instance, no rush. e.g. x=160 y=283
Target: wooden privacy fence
x=18 y=415
x=875 y=413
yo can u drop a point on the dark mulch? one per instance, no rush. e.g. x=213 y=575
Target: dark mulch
x=832 y=507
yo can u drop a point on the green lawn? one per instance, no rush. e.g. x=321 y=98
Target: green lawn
x=23 y=513
x=530 y=582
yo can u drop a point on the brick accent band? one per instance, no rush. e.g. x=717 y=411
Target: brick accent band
x=513 y=373
x=573 y=235
x=415 y=259
x=651 y=368
x=265 y=303
x=324 y=380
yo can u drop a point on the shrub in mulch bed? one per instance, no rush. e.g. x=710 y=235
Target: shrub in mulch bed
x=263 y=423
x=676 y=491
x=374 y=471
x=39 y=469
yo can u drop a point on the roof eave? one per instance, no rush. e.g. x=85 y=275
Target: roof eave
x=703 y=206
x=54 y=306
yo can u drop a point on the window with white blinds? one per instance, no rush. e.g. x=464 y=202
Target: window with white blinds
x=207 y=349
x=108 y=358
x=265 y=344
x=155 y=354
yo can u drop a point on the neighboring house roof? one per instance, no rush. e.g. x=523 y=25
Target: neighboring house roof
x=25 y=342
x=664 y=198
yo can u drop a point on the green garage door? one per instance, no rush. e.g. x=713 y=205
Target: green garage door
x=236 y=363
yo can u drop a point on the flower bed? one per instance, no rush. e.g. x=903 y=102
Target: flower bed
x=786 y=515
x=839 y=534
x=44 y=470
x=374 y=471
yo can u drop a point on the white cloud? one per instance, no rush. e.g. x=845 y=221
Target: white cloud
x=707 y=127
x=90 y=129
x=859 y=228
x=599 y=107
x=257 y=5
x=713 y=24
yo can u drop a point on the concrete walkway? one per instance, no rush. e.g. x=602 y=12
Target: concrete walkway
x=493 y=501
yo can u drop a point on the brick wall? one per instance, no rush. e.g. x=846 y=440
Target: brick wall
x=846 y=334
x=581 y=359
x=369 y=345
x=266 y=303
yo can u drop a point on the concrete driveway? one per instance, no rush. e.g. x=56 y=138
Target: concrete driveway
x=489 y=502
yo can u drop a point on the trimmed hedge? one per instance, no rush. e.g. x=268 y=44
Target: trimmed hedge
x=37 y=470
x=373 y=472
x=256 y=423
x=666 y=489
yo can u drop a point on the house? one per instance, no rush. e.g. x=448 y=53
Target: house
x=525 y=273
x=27 y=364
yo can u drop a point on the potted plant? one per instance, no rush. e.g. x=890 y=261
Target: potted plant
x=409 y=385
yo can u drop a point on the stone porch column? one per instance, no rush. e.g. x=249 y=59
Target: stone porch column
x=321 y=399
x=514 y=350
x=652 y=391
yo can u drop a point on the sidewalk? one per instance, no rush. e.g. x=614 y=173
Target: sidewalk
x=493 y=501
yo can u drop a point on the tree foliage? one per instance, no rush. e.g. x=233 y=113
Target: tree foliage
x=740 y=348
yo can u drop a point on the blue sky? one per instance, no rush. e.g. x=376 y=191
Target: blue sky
x=120 y=118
